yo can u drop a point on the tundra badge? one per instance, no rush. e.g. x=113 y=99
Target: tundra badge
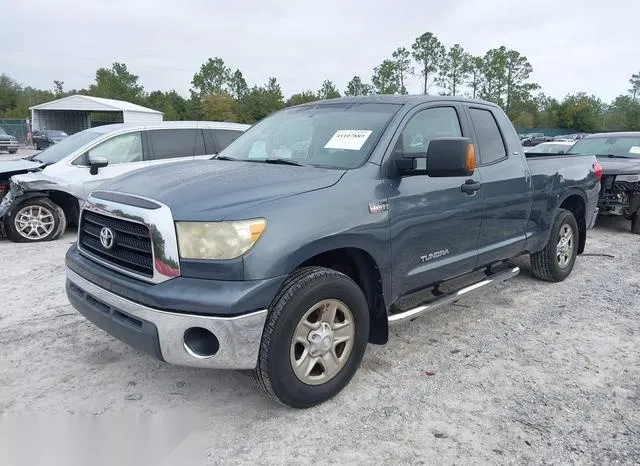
x=434 y=255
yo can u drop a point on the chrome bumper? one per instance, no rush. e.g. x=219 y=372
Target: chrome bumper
x=239 y=337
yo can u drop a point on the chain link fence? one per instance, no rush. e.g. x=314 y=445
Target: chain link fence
x=17 y=128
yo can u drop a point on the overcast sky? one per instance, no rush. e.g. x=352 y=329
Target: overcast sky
x=573 y=45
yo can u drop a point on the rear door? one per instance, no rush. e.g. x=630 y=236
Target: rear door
x=506 y=185
x=434 y=224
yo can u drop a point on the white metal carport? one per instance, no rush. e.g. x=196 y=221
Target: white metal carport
x=72 y=114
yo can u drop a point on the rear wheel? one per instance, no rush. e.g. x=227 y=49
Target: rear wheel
x=635 y=223
x=13 y=151
x=35 y=220
x=314 y=338
x=555 y=262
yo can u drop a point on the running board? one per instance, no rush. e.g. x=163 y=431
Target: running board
x=449 y=298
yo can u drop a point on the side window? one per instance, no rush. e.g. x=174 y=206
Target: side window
x=426 y=125
x=174 y=143
x=224 y=137
x=490 y=140
x=125 y=148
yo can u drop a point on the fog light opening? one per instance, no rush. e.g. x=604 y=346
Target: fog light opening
x=200 y=343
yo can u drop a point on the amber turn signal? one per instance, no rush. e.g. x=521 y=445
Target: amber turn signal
x=471 y=157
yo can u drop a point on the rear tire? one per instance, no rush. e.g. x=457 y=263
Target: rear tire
x=302 y=361
x=556 y=261
x=13 y=151
x=635 y=223
x=35 y=220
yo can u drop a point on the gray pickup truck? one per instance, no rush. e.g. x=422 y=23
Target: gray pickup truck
x=317 y=229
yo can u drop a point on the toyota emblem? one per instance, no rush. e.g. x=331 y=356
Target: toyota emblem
x=106 y=238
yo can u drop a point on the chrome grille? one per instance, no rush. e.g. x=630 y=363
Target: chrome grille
x=131 y=249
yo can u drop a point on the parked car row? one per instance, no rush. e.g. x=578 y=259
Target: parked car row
x=317 y=229
x=41 y=194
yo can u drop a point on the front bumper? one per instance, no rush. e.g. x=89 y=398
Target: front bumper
x=162 y=333
x=11 y=145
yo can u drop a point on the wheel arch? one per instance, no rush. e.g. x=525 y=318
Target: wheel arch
x=361 y=266
x=575 y=202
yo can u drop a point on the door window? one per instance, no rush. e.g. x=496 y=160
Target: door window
x=424 y=126
x=176 y=143
x=490 y=140
x=125 y=148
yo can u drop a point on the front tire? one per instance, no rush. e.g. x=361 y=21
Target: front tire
x=555 y=262
x=35 y=220
x=314 y=338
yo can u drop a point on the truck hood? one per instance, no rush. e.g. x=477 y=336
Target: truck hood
x=17 y=166
x=211 y=189
x=613 y=166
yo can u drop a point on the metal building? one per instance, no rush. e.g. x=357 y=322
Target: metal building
x=72 y=114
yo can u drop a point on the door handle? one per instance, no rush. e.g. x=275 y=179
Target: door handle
x=470 y=186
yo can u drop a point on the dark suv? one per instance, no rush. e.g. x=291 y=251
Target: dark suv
x=48 y=137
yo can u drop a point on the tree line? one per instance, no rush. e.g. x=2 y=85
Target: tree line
x=218 y=92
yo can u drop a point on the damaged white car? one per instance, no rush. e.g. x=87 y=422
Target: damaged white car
x=42 y=194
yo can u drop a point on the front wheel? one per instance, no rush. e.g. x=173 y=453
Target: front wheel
x=34 y=220
x=314 y=338
x=555 y=262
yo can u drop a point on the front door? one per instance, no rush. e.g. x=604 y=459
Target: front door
x=123 y=152
x=434 y=224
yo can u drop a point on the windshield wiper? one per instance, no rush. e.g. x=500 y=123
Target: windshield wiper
x=284 y=162
x=222 y=157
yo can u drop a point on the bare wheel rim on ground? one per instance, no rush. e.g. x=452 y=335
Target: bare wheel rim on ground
x=34 y=222
x=322 y=342
x=565 y=246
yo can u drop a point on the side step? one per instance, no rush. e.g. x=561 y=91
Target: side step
x=451 y=297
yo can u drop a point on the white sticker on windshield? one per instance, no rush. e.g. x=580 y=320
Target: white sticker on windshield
x=634 y=150
x=348 y=139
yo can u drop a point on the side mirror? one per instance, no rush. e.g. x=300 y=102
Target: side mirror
x=448 y=157
x=96 y=163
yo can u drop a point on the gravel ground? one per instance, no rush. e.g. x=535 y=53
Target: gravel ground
x=529 y=372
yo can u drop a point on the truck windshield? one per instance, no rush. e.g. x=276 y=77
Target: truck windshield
x=340 y=135
x=616 y=146
x=65 y=147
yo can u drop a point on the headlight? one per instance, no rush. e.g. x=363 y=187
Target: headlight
x=218 y=240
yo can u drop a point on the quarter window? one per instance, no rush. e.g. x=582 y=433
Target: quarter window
x=490 y=140
x=224 y=137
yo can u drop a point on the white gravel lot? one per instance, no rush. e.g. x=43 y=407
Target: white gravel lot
x=526 y=373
